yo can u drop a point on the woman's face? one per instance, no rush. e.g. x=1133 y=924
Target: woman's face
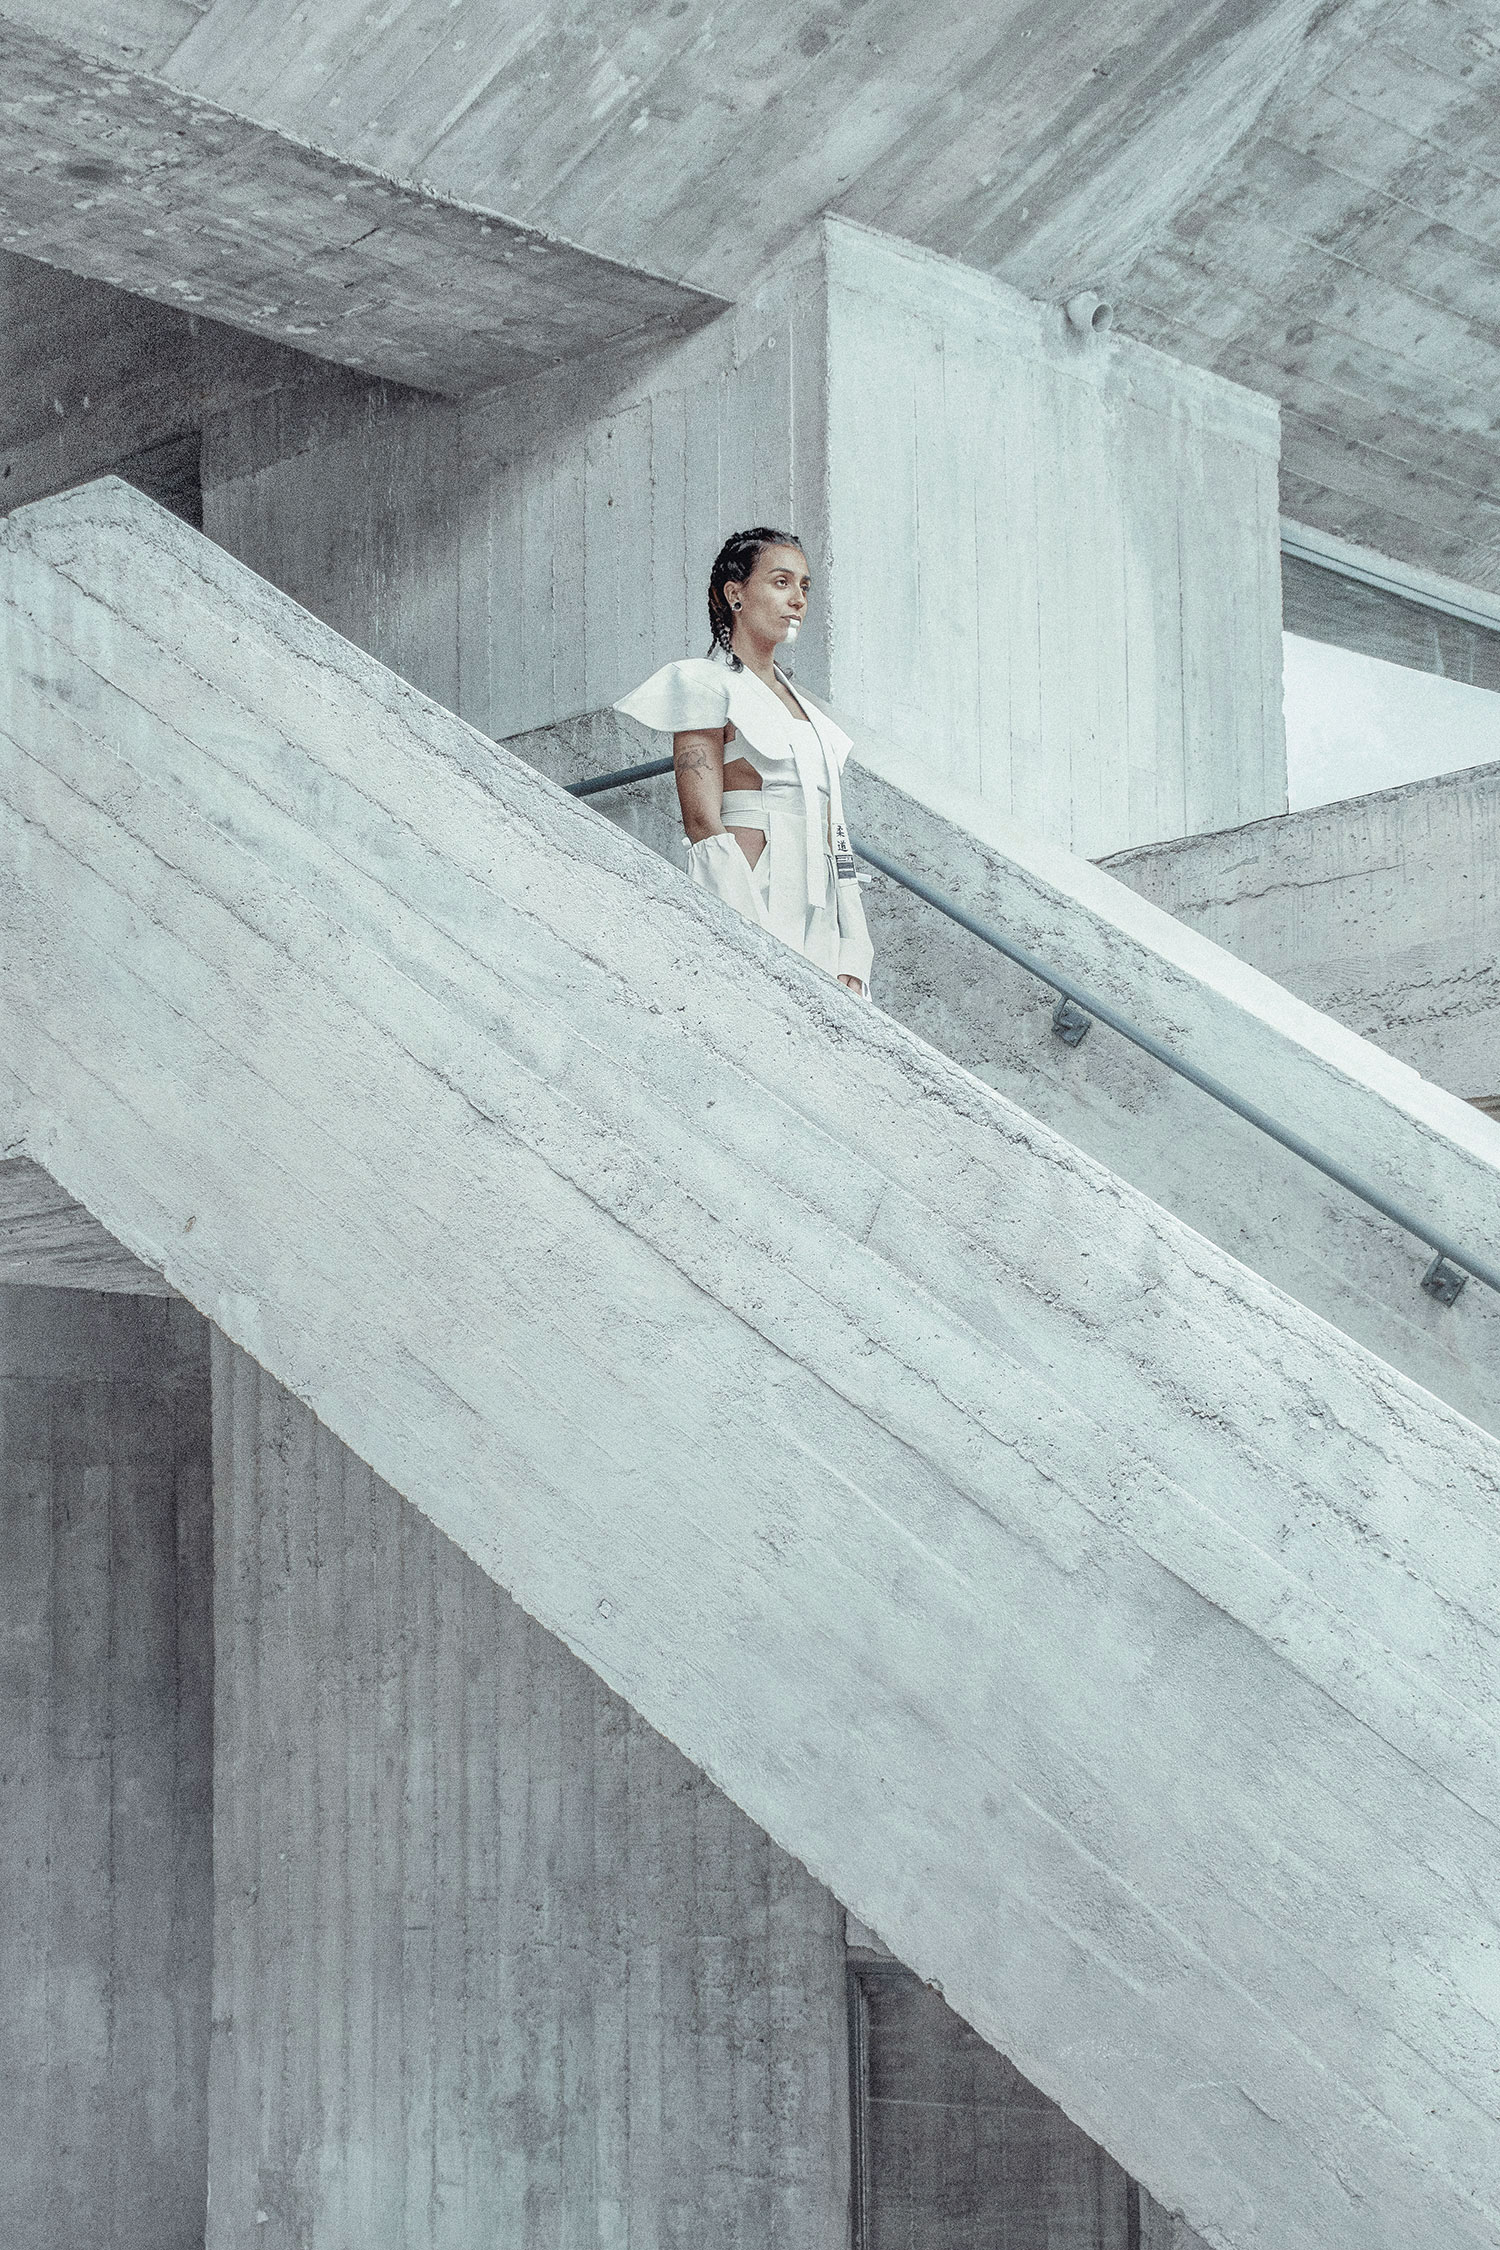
x=773 y=599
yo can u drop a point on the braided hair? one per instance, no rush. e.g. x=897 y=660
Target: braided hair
x=735 y=560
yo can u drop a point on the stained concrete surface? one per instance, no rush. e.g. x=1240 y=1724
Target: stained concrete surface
x=1026 y=1504
x=106 y=1715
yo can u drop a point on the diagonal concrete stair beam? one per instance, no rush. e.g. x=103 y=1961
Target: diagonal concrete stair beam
x=1113 y=1634
x=1420 y=1146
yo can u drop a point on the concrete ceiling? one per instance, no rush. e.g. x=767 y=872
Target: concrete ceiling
x=1304 y=194
x=111 y=173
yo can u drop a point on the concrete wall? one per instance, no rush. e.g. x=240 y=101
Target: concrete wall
x=106 y=1717
x=594 y=504
x=539 y=551
x=494 y=1962
x=1055 y=572
x=1384 y=911
x=345 y=493
x=956 y=2148
x=1113 y=1636
x=1078 y=617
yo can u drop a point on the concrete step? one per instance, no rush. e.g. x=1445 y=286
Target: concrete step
x=1114 y=1634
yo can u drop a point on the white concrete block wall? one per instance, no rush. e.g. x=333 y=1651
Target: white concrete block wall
x=1054 y=561
x=1116 y=1638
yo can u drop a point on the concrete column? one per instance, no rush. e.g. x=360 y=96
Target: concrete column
x=105 y=1771
x=494 y=1963
x=1054 y=556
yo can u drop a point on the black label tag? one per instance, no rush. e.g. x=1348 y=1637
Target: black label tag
x=843 y=857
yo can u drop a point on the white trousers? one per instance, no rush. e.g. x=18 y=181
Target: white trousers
x=832 y=933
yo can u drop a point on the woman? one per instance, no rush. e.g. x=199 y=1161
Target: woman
x=758 y=767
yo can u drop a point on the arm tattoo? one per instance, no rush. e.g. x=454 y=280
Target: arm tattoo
x=695 y=758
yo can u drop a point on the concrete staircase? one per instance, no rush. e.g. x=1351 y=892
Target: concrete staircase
x=1112 y=1632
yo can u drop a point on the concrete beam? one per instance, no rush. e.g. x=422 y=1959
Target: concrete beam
x=1115 y=1637
x=94 y=380
x=114 y=175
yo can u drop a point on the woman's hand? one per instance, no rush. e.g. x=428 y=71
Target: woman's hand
x=856 y=985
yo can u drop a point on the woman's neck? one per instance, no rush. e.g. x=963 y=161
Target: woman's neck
x=756 y=655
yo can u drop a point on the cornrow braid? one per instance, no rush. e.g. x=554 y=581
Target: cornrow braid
x=735 y=560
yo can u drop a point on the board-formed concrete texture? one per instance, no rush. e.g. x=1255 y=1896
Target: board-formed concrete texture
x=106 y=1763
x=1075 y=543
x=170 y=196
x=49 y=1239
x=1229 y=1181
x=91 y=377
x=494 y=1963
x=1294 y=193
x=1113 y=1636
x=968 y=597
x=1384 y=911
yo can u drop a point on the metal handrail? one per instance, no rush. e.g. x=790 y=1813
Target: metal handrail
x=603 y=781
x=1452 y=1264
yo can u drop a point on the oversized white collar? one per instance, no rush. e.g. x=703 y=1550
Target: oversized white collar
x=767 y=725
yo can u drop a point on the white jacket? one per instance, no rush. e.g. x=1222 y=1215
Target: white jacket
x=796 y=774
